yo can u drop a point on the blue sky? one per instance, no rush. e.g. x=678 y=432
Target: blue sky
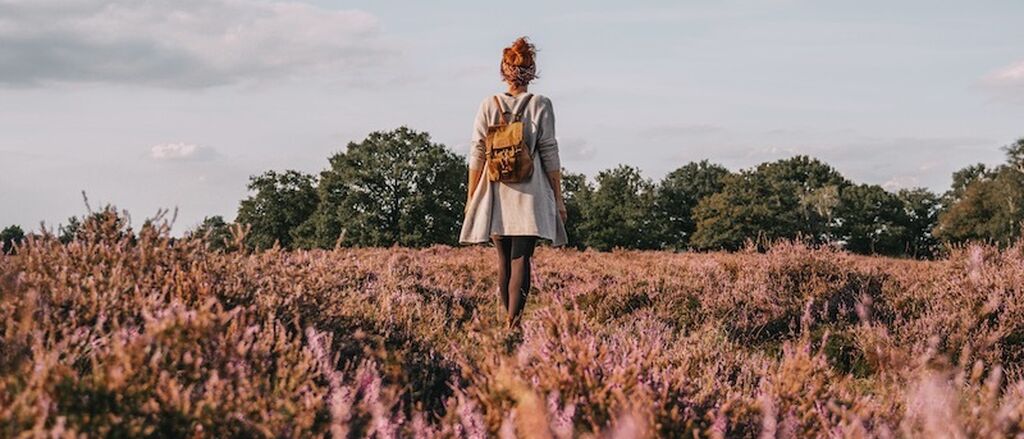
x=174 y=103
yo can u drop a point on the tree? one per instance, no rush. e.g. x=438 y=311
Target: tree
x=921 y=208
x=1015 y=154
x=870 y=220
x=282 y=201
x=576 y=191
x=618 y=212
x=70 y=231
x=807 y=173
x=962 y=179
x=985 y=204
x=989 y=209
x=106 y=225
x=215 y=232
x=11 y=237
x=394 y=187
x=678 y=194
x=783 y=199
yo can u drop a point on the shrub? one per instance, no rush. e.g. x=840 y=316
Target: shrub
x=118 y=334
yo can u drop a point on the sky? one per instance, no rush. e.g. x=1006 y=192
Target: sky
x=173 y=104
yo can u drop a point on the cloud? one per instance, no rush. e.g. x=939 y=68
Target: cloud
x=1012 y=75
x=901 y=182
x=181 y=152
x=183 y=43
x=1008 y=81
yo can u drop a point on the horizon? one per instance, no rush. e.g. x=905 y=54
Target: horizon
x=175 y=104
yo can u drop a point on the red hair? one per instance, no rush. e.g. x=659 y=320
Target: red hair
x=518 y=63
x=520 y=54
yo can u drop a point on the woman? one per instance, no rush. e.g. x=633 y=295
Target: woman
x=515 y=215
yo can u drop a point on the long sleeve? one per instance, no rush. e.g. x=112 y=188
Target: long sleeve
x=476 y=146
x=547 y=145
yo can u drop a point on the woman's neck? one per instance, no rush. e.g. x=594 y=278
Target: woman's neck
x=516 y=89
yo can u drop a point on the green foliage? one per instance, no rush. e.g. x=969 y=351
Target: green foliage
x=618 y=212
x=746 y=208
x=989 y=208
x=394 y=187
x=870 y=220
x=678 y=194
x=105 y=224
x=962 y=179
x=575 y=192
x=215 y=232
x=784 y=199
x=397 y=188
x=1015 y=154
x=985 y=204
x=281 y=202
x=10 y=237
x=922 y=212
x=809 y=174
x=68 y=232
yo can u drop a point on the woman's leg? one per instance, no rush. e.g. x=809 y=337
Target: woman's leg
x=504 y=247
x=519 y=281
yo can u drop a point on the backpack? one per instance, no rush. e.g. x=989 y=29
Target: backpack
x=509 y=159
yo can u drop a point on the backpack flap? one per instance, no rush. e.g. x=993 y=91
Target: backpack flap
x=505 y=136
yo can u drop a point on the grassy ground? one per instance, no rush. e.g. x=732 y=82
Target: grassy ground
x=118 y=336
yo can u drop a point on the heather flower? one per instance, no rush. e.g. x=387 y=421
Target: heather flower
x=116 y=334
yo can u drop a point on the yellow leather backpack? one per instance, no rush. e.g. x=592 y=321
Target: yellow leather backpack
x=509 y=159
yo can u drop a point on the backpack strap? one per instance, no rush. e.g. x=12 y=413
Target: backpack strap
x=522 y=107
x=517 y=114
x=501 y=110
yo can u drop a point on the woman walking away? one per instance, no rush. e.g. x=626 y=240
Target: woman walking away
x=515 y=194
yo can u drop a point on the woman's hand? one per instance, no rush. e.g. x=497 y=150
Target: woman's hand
x=562 y=213
x=474 y=181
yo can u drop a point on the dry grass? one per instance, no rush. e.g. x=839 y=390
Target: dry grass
x=114 y=336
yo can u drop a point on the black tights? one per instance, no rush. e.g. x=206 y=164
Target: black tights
x=514 y=256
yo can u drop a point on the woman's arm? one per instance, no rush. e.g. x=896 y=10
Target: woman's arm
x=547 y=145
x=555 y=177
x=474 y=180
x=476 y=150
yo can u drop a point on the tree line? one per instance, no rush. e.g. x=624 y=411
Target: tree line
x=400 y=188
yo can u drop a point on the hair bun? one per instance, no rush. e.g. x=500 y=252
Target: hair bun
x=517 y=63
x=520 y=53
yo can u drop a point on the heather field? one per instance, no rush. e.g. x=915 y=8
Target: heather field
x=126 y=336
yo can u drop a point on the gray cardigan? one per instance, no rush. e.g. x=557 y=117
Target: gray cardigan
x=526 y=208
